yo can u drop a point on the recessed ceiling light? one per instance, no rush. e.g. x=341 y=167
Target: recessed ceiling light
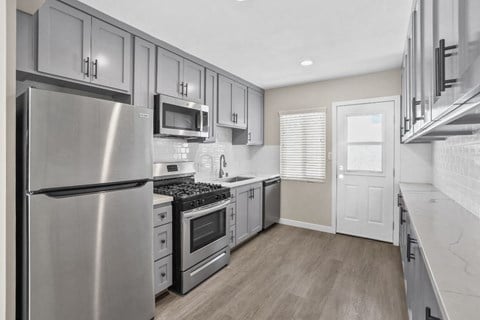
x=306 y=63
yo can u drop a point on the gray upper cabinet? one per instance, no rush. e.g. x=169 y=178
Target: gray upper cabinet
x=111 y=56
x=232 y=103
x=143 y=73
x=64 y=41
x=178 y=77
x=211 y=80
x=253 y=136
x=446 y=51
x=194 y=81
x=73 y=45
x=169 y=73
x=469 y=46
x=418 y=102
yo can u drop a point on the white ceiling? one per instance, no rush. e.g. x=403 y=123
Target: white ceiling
x=264 y=41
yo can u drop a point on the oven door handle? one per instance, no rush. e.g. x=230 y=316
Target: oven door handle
x=202 y=211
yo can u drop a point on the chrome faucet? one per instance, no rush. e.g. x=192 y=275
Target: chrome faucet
x=223 y=164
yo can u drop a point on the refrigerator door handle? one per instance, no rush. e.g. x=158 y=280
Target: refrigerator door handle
x=72 y=192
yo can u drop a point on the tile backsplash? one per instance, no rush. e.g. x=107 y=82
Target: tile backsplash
x=240 y=159
x=456 y=170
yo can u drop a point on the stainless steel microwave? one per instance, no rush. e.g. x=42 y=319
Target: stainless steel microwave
x=180 y=118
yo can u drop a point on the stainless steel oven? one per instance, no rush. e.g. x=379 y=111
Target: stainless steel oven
x=203 y=233
x=177 y=117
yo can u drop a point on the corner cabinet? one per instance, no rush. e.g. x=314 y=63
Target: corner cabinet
x=249 y=201
x=253 y=136
x=179 y=77
x=232 y=103
x=143 y=73
x=74 y=45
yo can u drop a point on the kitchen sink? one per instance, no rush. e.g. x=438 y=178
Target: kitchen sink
x=236 y=179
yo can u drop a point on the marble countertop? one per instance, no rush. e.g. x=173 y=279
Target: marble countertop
x=255 y=178
x=161 y=199
x=449 y=237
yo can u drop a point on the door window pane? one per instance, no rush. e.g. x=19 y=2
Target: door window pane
x=365 y=128
x=365 y=157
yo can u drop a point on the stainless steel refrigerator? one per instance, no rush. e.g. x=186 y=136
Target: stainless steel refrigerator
x=85 y=208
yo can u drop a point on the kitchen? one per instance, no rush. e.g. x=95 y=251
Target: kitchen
x=152 y=169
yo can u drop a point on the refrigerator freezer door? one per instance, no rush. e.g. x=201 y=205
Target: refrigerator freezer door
x=75 y=140
x=90 y=256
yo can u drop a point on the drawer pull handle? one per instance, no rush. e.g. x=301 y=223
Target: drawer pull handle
x=162 y=216
x=428 y=315
x=163 y=274
x=163 y=241
x=410 y=255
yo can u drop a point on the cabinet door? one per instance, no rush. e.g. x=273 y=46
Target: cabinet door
x=239 y=105
x=211 y=80
x=225 y=113
x=469 y=48
x=169 y=73
x=64 y=41
x=194 y=80
x=428 y=60
x=144 y=73
x=445 y=31
x=418 y=103
x=255 y=118
x=404 y=103
x=241 y=225
x=111 y=56
x=255 y=210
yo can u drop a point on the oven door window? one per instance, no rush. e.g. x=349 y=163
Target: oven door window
x=207 y=229
x=181 y=118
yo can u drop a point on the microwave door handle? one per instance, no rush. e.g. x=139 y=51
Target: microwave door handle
x=202 y=211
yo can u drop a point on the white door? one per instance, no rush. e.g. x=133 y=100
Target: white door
x=365 y=164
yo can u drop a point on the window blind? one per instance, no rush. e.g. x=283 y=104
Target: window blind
x=303 y=145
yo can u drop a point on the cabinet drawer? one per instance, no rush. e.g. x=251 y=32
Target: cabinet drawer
x=162 y=241
x=162 y=274
x=231 y=237
x=232 y=213
x=162 y=215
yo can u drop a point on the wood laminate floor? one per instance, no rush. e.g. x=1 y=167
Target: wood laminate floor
x=292 y=273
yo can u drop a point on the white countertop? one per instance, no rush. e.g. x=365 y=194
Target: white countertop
x=449 y=237
x=255 y=178
x=161 y=199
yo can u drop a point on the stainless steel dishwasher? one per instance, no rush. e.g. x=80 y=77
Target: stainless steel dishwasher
x=271 y=202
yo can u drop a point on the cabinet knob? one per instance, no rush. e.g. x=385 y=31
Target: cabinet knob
x=162 y=216
x=163 y=241
x=163 y=274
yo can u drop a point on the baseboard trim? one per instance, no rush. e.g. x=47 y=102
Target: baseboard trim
x=306 y=225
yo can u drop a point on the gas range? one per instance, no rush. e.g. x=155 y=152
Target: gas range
x=189 y=194
x=200 y=224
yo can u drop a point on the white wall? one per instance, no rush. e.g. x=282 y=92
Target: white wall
x=7 y=158
x=456 y=170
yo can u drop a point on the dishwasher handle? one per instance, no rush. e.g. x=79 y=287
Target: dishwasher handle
x=271 y=182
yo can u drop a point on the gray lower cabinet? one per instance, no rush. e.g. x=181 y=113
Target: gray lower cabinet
x=143 y=73
x=253 y=136
x=111 y=56
x=179 y=77
x=162 y=247
x=73 y=45
x=248 y=211
x=232 y=219
x=421 y=298
x=232 y=103
x=211 y=80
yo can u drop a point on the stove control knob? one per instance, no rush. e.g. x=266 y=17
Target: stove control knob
x=192 y=204
x=203 y=201
x=218 y=197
